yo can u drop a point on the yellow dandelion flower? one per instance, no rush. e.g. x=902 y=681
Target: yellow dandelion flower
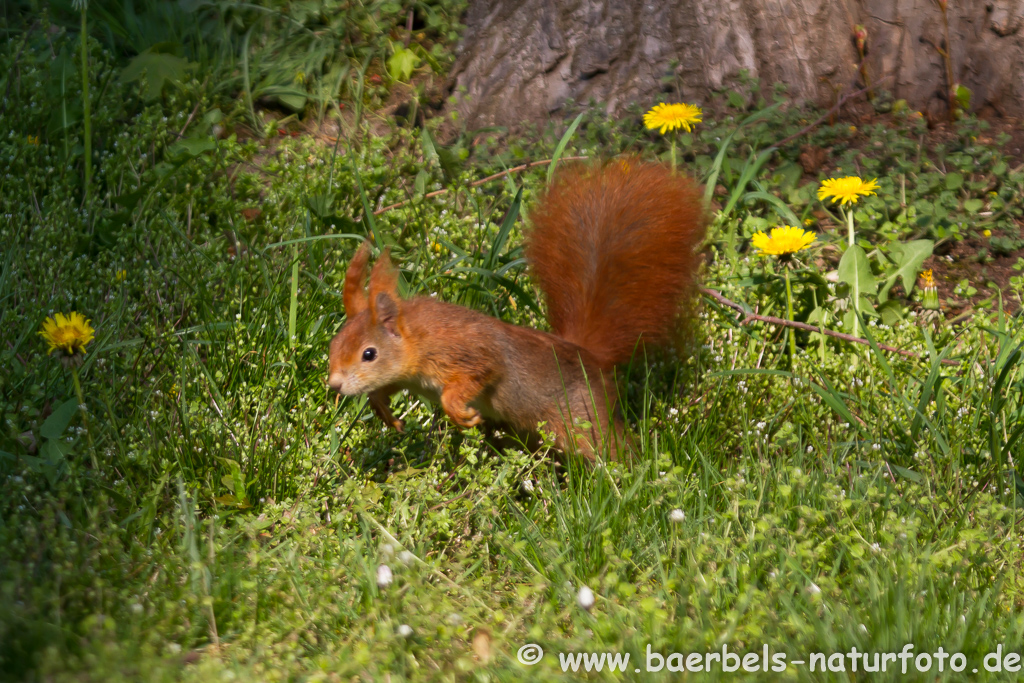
x=846 y=190
x=927 y=278
x=986 y=233
x=666 y=117
x=67 y=333
x=783 y=241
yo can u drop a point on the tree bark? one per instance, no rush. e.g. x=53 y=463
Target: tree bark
x=522 y=60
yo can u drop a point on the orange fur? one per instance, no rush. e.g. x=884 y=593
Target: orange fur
x=614 y=250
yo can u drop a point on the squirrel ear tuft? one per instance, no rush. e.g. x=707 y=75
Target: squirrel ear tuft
x=387 y=313
x=353 y=296
x=384 y=276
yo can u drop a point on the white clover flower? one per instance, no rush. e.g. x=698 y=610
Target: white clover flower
x=585 y=598
x=405 y=630
x=676 y=516
x=384 y=576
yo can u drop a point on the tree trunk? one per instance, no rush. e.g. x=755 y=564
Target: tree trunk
x=521 y=60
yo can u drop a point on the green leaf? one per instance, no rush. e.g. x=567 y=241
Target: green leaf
x=291 y=97
x=973 y=205
x=54 y=426
x=429 y=146
x=908 y=257
x=891 y=312
x=189 y=148
x=736 y=100
x=320 y=204
x=954 y=180
x=402 y=63
x=783 y=211
x=561 y=147
x=963 y=96
x=160 y=68
x=855 y=271
x=913 y=476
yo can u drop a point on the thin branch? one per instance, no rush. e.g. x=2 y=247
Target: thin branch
x=810 y=328
x=477 y=183
x=195 y=111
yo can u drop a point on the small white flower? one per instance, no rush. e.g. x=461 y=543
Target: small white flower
x=384 y=576
x=405 y=630
x=406 y=558
x=528 y=486
x=585 y=598
x=387 y=550
x=676 y=516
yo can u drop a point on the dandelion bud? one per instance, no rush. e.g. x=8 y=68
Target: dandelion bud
x=929 y=291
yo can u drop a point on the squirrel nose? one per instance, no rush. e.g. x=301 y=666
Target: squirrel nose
x=335 y=381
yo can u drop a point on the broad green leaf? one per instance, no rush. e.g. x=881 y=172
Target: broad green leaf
x=59 y=419
x=913 y=476
x=954 y=180
x=973 y=205
x=190 y=148
x=402 y=63
x=855 y=271
x=909 y=257
x=291 y=97
x=891 y=312
x=159 y=67
x=963 y=96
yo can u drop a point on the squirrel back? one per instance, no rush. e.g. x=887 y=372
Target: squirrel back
x=614 y=249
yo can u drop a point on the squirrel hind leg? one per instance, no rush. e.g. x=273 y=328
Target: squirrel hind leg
x=592 y=426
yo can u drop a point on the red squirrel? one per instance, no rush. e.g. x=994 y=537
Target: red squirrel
x=612 y=247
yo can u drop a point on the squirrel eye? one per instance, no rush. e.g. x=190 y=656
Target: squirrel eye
x=370 y=354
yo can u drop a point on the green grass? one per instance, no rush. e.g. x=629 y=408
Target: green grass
x=240 y=512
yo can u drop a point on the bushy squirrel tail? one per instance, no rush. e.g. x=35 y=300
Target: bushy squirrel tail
x=614 y=248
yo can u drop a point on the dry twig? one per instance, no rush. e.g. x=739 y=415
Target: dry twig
x=754 y=317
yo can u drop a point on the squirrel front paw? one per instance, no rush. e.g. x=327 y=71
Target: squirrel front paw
x=455 y=400
x=469 y=417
